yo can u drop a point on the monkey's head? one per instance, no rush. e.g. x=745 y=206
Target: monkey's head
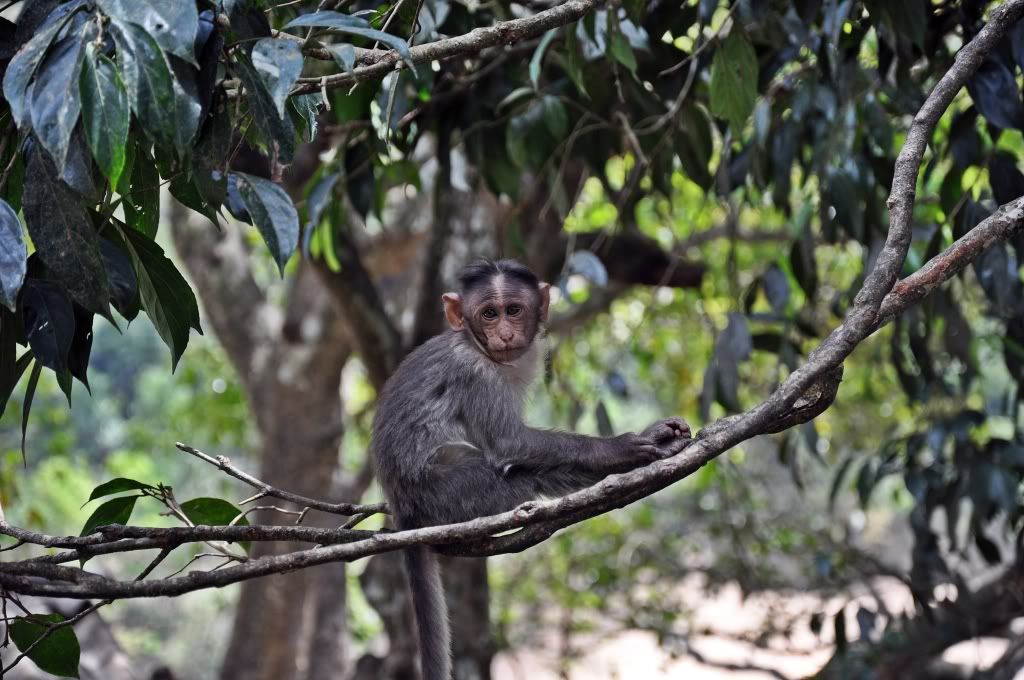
x=501 y=305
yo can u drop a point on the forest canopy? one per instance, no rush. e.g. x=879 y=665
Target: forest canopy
x=729 y=197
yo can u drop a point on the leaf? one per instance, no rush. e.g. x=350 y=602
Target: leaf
x=273 y=213
x=344 y=55
x=173 y=25
x=81 y=348
x=58 y=653
x=274 y=128
x=13 y=255
x=188 y=108
x=148 y=80
x=64 y=236
x=693 y=145
x=279 y=63
x=776 y=288
x=124 y=285
x=1005 y=177
x=117 y=485
x=114 y=511
x=621 y=50
x=55 y=99
x=994 y=91
x=22 y=69
x=555 y=117
x=306 y=107
x=537 y=60
x=165 y=294
x=343 y=23
x=734 y=74
x=142 y=204
x=10 y=375
x=105 y=113
x=49 y=323
x=909 y=19
x=214 y=512
x=26 y=405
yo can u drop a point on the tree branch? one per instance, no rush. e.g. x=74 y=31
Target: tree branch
x=378 y=63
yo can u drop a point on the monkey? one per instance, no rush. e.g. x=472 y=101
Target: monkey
x=449 y=443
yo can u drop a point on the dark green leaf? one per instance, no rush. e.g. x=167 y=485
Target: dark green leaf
x=58 y=653
x=81 y=348
x=13 y=255
x=22 y=69
x=55 y=98
x=172 y=24
x=105 y=113
x=274 y=128
x=273 y=213
x=188 y=108
x=214 y=512
x=1005 y=177
x=734 y=74
x=306 y=107
x=142 y=204
x=694 y=144
x=537 y=60
x=64 y=236
x=621 y=50
x=247 y=18
x=114 y=511
x=342 y=23
x=10 y=372
x=147 y=77
x=117 y=485
x=166 y=296
x=26 y=405
x=994 y=91
x=279 y=62
x=184 y=189
x=49 y=322
x=776 y=288
x=124 y=285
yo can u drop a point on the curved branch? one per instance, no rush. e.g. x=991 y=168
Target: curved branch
x=377 y=63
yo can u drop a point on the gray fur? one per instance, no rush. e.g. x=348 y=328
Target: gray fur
x=449 y=444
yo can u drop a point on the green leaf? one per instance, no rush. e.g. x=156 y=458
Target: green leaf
x=279 y=63
x=117 y=485
x=621 y=50
x=734 y=80
x=275 y=129
x=124 y=285
x=173 y=25
x=165 y=294
x=537 y=60
x=49 y=323
x=9 y=377
x=214 y=512
x=344 y=55
x=342 y=23
x=142 y=204
x=58 y=654
x=147 y=77
x=273 y=213
x=55 y=99
x=573 y=58
x=26 y=405
x=305 y=108
x=13 y=255
x=693 y=145
x=114 y=511
x=22 y=69
x=555 y=117
x=64 y=235
x=105 y=113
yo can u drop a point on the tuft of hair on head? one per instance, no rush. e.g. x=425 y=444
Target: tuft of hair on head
x=482 y=272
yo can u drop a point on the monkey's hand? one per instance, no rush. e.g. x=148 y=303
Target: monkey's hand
x=669 y=436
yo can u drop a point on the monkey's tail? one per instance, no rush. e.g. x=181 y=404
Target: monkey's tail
x=431 y=612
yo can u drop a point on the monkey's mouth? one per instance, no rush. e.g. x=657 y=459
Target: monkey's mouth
x=507 y=355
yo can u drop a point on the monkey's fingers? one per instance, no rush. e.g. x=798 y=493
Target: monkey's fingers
x=667 y=430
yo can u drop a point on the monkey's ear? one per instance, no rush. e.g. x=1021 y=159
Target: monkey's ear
x=545 y=300
x=453 y=311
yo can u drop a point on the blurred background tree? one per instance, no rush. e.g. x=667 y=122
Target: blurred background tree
x=703 y=181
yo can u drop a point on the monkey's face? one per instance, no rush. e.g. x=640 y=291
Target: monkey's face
x=503 y=316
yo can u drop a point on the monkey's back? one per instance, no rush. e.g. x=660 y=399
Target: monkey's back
x=443 y=392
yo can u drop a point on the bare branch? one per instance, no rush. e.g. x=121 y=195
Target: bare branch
x=222 y=463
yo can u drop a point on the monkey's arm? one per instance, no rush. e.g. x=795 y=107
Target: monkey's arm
x=530 y=448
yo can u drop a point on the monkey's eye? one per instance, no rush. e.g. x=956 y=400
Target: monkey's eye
x=512 y=310
x=490 y=313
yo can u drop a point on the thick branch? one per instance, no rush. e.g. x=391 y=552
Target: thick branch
x=377 y=64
